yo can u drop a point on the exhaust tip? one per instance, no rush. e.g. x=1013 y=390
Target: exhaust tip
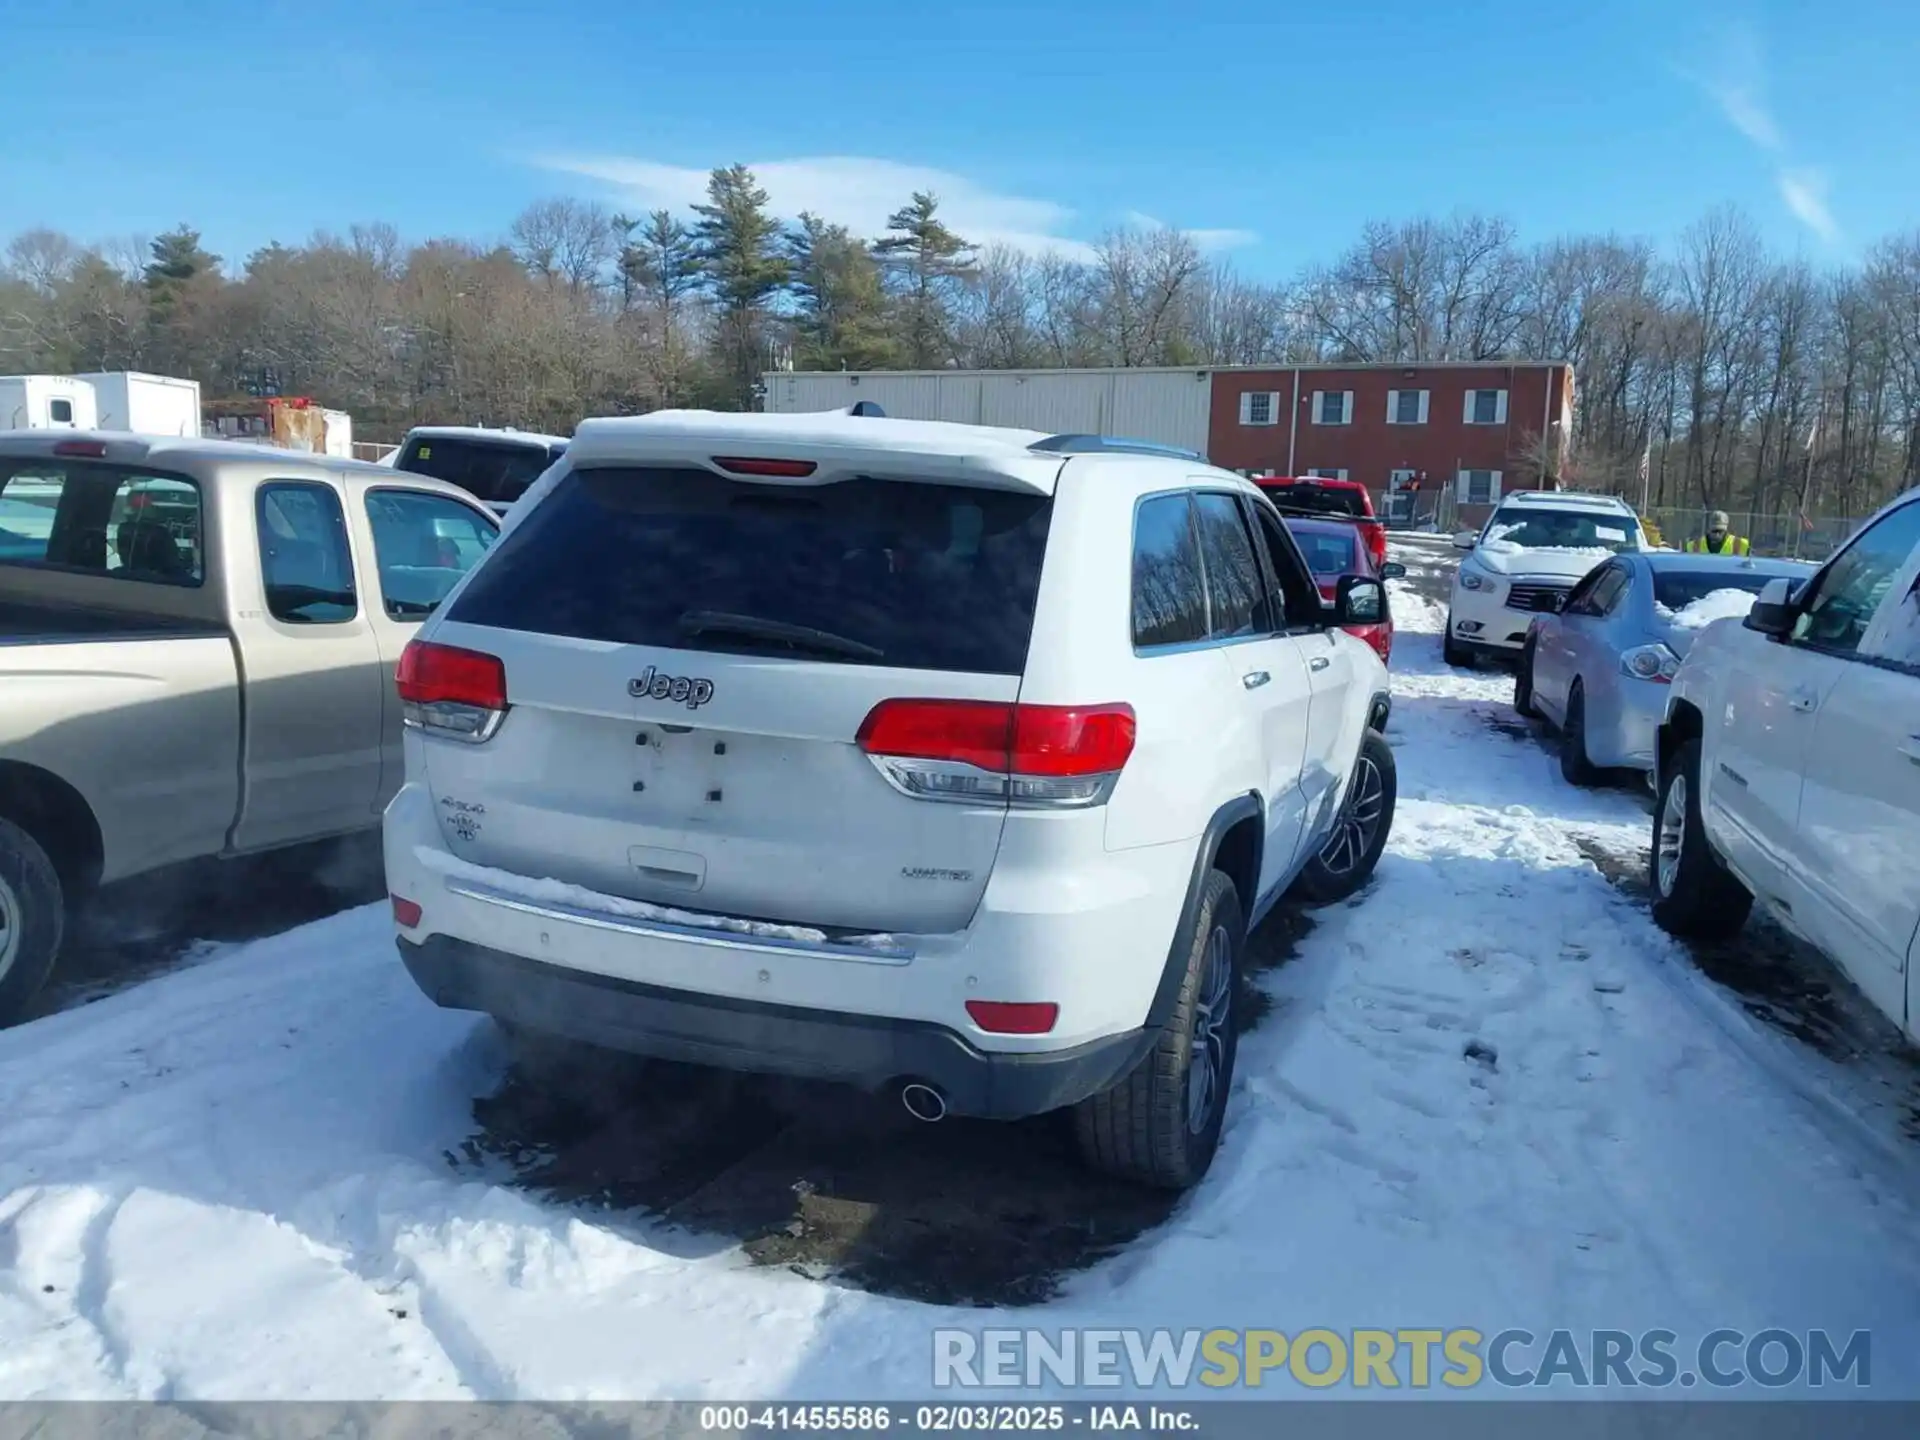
x=923 y=1102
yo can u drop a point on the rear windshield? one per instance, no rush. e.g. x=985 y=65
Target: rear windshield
x=495 y=470
x=863 y=571
x=1677 y=589
x=1326 y=554
x=1321 y=499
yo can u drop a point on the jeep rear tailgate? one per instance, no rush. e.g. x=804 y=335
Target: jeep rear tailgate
x=688 y=660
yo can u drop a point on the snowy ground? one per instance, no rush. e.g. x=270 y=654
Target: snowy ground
x=281 y=1173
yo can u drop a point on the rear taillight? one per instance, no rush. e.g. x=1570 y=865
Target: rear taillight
x=444 y=690
x=983 y=750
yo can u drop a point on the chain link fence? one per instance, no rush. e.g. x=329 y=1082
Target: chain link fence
x=1790 y=536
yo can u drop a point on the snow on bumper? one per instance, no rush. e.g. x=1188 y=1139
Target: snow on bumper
x=783 y=999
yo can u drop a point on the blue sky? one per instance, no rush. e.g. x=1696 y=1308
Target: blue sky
x=1272 y=131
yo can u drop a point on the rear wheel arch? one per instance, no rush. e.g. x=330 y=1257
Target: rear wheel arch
x=59 y=819
x=1683 y=723
x=1232 y=843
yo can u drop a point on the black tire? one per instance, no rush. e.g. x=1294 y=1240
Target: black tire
x=1453 y=653
x=1145 y=1127
x=1696 y=897
x=1523 y=685
x=33 y=917
x=1574 y=765
x=1347 y=860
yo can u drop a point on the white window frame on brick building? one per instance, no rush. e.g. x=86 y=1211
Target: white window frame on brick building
x=1395 y=407
x=1320 y=398
x=1259 y=407
x=1323 y=472
x=1398 y=480
x=1464 y=493
x=1470 y=412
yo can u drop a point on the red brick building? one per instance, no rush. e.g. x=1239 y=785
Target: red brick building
x=1481 y=430
x=1472 y=431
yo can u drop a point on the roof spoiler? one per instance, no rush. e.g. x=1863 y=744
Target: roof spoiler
x=1112 y=445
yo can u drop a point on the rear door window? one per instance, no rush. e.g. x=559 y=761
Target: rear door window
x=1236 y=593
x=497 y=471
x=1169 y=589
x=906 y=575
x=423 y=544
x=101 y=518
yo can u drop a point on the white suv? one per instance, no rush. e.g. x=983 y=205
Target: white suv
x=1533 y=550
x=944 y=759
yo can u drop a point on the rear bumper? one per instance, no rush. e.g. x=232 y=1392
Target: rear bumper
x=1623 y=723
x=1062 y=921
x=872 y=1052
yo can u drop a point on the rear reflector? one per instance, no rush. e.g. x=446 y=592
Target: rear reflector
x=745 y=465
x=405 y=912
x=987 y=749
x=458 y=693
x=82 y=449
x=1007 y=1017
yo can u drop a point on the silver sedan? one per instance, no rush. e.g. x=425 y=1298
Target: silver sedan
x=1599 y=668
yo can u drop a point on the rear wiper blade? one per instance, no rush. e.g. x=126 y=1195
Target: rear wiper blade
x=756 y=627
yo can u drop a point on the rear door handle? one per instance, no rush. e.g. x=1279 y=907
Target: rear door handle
x=1912 y=749
x=1319 y=662
x=1254 y=679
x=1803 y=700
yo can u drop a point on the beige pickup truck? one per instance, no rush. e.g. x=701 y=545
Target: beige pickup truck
x=197 y=645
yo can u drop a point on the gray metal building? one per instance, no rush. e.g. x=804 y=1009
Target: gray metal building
x=1165 y=405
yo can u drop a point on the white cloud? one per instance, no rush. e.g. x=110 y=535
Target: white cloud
x=1736 y=81
x=1209 y=241
x=1805 y=193
x=849 y=190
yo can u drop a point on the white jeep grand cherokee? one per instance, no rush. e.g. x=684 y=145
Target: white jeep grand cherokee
x=938 y=758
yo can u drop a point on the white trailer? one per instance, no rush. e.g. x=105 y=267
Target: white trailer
x=47 y=402
x=339 y=436
x=146 y=404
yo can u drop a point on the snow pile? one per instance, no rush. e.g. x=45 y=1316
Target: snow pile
x=1714 y=605
x=1489 y=1093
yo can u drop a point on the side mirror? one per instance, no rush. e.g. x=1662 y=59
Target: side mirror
x=1465 y=540
x=1393 y=570
x=1359 y=601
x=1774 y=612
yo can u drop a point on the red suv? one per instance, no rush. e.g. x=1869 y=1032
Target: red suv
x=1333 y=548
x=1329 y=497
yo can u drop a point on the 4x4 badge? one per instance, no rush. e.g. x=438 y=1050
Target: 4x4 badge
x=688 y=690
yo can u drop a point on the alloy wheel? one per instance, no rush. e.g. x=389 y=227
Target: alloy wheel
x=1359 y=821
x=1673 y=836
x=1213 y=1014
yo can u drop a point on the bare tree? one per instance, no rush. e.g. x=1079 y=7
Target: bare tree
x=566 y=242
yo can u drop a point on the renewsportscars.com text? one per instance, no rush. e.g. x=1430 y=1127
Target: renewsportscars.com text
x=1458 y=1359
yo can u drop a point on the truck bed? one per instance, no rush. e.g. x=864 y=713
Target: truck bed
x=25 y=623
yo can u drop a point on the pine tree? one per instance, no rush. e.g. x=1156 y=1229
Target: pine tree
x=842 y=321
x=736 y=241
x=661 y=266
x=929 y=262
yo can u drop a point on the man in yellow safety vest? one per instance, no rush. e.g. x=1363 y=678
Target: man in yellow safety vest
x=1719 y=539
